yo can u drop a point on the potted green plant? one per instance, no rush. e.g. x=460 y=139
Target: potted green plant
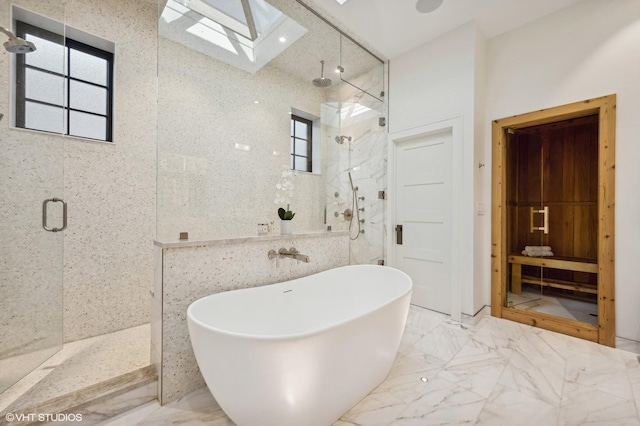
x=285 y=220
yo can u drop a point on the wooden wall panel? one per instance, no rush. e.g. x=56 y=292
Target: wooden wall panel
x=555 y=166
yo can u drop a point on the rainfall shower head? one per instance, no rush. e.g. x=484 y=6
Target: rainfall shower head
x=341 y=138
x=17 y=44
x=321 y=82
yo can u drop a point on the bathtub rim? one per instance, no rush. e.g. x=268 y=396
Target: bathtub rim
x=280 y=337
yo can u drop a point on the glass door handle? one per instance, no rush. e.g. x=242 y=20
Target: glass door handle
x=545 y=219
x=44 y=214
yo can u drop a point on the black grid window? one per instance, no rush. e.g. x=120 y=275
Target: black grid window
x=301 y=143
x=64 y=86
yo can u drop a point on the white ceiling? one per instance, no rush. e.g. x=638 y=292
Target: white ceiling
x=393 y=27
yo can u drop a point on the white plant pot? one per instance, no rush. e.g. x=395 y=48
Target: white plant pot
x=286 y=227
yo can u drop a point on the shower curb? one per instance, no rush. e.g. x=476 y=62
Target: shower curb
x=94 y=403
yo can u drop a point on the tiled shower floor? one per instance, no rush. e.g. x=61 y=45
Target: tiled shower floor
x=494 y=373
x=80 y=364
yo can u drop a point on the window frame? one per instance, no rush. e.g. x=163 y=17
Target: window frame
x=24 y=28
x=308 y=139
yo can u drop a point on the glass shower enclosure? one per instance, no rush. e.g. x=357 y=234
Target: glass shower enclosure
x=31 y=213
x=224 y=126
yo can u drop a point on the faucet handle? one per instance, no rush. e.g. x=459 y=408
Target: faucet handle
x=293 y=250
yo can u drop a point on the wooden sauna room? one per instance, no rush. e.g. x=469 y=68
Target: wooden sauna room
x=553 y=209
x=552 y=199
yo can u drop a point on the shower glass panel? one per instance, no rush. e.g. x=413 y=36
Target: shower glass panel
x=31 y=259
x=361 y=69
x=225 y=131
x=224 y=122
x=357 y=156
x=527 y=219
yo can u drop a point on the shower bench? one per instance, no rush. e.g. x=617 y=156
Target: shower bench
x=555 y=262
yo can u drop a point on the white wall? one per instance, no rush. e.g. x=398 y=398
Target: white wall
x=433 y=83
x=587 y=50
x=207 y=187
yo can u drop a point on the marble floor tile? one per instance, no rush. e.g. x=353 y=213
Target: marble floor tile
x=444 y=341
x=506 y=406
x=597 y=372
x=476 y=368
x=442 y=402
x=377 y=409
x=582 y=405
x=495 y=372
x=540 y=381
x=409 y=374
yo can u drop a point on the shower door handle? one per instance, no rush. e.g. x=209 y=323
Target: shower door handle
x=399 y=235
x=44 y=214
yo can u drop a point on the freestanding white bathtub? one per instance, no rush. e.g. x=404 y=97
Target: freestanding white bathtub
x=301 y=352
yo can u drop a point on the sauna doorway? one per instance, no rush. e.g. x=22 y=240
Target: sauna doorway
x=552 y=220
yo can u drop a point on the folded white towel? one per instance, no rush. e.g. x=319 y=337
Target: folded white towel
x=537 y=251
x=538 y=248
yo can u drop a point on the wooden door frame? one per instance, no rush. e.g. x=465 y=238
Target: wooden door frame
x=605 y=108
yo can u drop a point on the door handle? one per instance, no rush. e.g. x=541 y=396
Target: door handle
x=545 y=218
x=44 y=214
x=399 y=234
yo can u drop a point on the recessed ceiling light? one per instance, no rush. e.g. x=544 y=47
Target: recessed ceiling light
x=428 y=6
x=256 y=102
x=282 y=39
x=341 y=1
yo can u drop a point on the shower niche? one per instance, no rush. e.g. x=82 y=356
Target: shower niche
x=552 y=225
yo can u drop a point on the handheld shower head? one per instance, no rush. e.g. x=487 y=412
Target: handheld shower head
x=16 y=44
x=353 y=187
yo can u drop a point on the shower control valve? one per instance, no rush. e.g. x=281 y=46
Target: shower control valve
x=348 y=214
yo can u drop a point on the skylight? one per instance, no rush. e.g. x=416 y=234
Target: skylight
x=231 y=30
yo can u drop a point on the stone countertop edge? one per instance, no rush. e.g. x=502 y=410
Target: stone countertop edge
x=248 y=239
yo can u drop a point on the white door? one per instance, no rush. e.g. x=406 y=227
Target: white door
x=423 y=209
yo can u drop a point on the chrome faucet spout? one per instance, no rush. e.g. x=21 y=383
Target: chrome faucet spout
x=303 y=257
x=292 y=253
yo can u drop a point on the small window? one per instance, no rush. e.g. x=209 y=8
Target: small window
x=301 y=143
x=65 y=86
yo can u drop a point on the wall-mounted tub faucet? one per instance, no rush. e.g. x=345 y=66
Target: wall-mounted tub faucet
x=292 y=253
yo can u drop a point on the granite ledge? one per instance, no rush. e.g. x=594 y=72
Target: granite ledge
x=248 y=239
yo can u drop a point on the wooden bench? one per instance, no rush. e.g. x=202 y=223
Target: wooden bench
x=568 y=264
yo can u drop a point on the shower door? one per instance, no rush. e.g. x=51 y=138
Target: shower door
x=31 y=190
x=31 y=257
